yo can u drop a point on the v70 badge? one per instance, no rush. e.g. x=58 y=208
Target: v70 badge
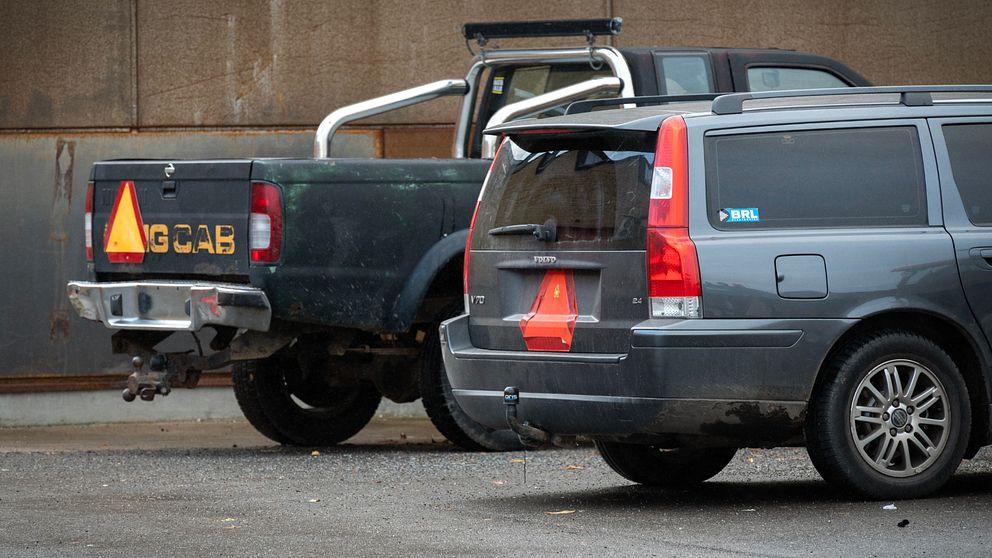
x=545 y=259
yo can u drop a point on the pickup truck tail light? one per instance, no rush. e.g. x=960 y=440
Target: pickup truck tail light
x=471 y=227
x=674 y=286
x=265 y=228
x=88 y=222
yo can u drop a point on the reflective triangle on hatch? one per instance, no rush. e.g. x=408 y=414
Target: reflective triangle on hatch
x=124 y=241
x=551 y=321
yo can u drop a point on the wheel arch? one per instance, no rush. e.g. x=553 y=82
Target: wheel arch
x=438 y=272
x=967 y=352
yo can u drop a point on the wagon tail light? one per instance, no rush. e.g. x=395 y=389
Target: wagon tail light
x=88 y=222
x=471 y=227
x=673 y=268
x=265 y=231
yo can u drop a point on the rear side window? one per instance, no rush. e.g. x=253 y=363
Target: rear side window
x=970 y=149
x=856 y=177
x=770 y=78
x=685 y=74
x=591 y=189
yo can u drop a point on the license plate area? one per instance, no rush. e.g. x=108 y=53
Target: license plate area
x=519 y=287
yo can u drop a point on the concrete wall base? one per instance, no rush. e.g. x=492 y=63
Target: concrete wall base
x=88 y=407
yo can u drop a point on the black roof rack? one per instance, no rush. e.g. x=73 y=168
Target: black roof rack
x=909 y=95
x=547 y=28
x=587 y=105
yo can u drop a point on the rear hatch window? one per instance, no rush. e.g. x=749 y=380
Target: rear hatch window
x=592 y=188
x=566 y=210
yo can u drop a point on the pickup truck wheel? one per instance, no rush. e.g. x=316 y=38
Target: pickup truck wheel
x=244 y=375
x=891 y=419
x=655 y=466
x=272 y=399
x=443 y=410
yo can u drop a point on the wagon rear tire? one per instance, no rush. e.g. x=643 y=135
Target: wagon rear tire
x=670 y=468
x=891 y=419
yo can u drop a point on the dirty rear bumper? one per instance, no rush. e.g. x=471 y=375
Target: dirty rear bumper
x=748 y=383
x=171 y=305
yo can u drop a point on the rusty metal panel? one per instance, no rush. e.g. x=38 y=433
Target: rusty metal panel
x=182 y=63
x=42 y=186
x=279 y=62
x=65 y=64
x=418 y=142
x=250 y=63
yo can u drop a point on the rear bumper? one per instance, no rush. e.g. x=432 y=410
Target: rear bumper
x=170 y=305
x=745 y=380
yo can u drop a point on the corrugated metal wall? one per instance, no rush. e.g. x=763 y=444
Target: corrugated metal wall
x=82 y=81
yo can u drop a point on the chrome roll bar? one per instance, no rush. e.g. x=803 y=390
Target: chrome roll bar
x=534 y=105
x=608 y=55
x=379 y=105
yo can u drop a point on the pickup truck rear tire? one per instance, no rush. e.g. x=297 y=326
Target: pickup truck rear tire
x=654 y=466
x=447 y=416
x=264 y=393
x=243 y=376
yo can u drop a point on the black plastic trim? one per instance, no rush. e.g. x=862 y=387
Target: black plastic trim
x=543 y=28
x=715 y=338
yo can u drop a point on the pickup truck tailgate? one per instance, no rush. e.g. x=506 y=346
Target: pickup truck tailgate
x=194 y=214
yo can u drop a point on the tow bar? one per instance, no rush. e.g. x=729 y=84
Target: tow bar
x=171 y=370
x=530 y=436
x=163 y=372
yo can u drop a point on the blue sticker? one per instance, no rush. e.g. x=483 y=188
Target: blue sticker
x=739 y=215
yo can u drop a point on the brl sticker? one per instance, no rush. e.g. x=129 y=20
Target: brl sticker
x=739 y=215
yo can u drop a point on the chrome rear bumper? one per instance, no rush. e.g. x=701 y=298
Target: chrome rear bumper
x=171 y=305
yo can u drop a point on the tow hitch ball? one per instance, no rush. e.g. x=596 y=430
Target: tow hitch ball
x=147 y=384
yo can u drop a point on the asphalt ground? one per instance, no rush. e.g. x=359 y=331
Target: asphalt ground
x=219 y=489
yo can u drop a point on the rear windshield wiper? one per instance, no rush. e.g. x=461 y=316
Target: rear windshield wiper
x=547 y=232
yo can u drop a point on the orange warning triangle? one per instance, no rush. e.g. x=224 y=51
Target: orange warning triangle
x=551 y=321
x=124 y=240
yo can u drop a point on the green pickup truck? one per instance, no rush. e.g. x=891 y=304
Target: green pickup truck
x=323 y=281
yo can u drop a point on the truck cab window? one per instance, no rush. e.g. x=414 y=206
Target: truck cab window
x=770 y=78
x=685 y=74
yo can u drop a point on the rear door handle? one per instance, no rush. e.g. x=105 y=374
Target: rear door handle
x=985 y=253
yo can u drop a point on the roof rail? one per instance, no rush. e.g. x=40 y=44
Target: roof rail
x=909 y=95
x=579 y=107
x=546 y=28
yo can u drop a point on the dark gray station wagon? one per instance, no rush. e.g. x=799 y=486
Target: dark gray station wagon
x=766 y=269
